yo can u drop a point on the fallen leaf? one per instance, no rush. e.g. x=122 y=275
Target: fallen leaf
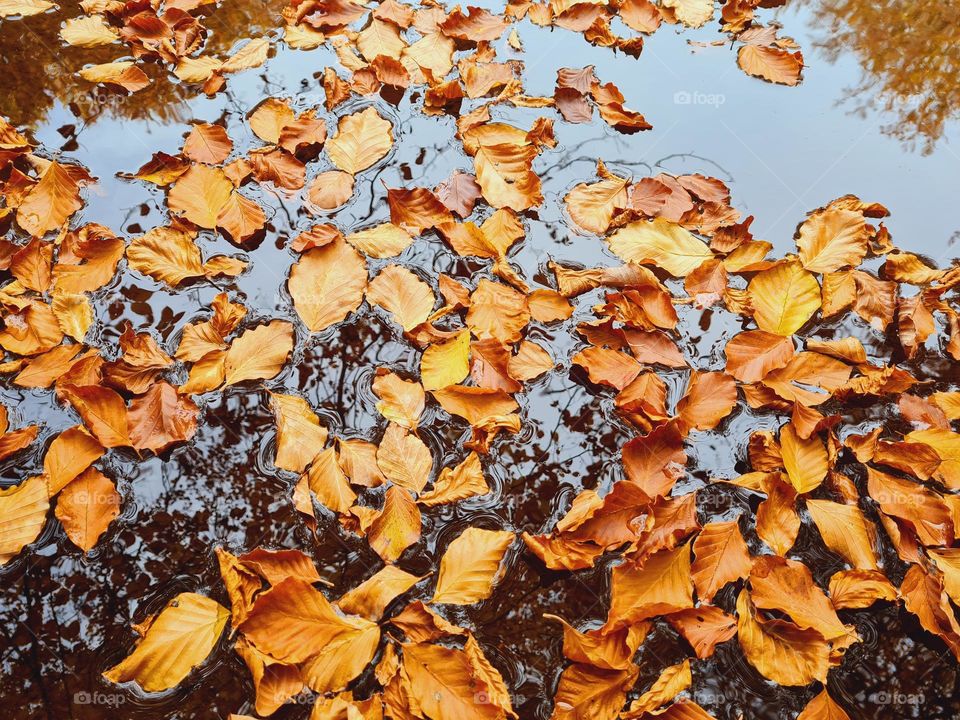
x=178 y=639
x=471 y=566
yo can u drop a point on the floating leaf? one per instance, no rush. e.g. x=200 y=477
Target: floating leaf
x=470 y=566
x=174 y=642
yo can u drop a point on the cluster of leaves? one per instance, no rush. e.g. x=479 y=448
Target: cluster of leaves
x=684 y=250
x=380 y=53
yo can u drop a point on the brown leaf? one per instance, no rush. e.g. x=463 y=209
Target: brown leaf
x=86 y=506
x=161 y=418
x=207 y=143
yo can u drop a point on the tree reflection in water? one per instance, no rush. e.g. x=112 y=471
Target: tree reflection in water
x=909 y=55
x=40 y=70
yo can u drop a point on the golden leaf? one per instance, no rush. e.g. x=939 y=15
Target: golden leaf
x=207 y=143
x=370 y=598
x=327 y=284
x=174 y=642
x=662 y=243
x=259 y=353
x=832 y=239
x=464 y=481
x=771 y=63
x=86 y=506
x=88 y=31
x=845 y=531
x=300 y=436
x=780 y=650
x=446 y=363
x=403 y=294
x=200 y=195
x=362 y=139
x=693 y=13
x=784 y=298
x=397 y=527
x=23 y=513
x=404 y=458
x=721 y=557
x=381 y=241
x=401 y=401
x=51 y=202
x=471 y=565
x=804 y=460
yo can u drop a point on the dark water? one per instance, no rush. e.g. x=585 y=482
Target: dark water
x=65 y=617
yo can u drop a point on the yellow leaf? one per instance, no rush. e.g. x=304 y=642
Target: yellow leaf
x=176 y=641
x=444 y=684
x=592 y=205
x=371 y=597
x=404 y=458
x=24 y=8
x=662 y=585
x=103 y=412
x=23 y=513
x=200 y=195
x=591 y=692
x=784 y=298
x=51 y=202
x=259 y=353
x=269 y=118
x=328 y=482
x=207 y=143
x=672 y=681
x=473 y=404
x=471 y=565
x=805 y=460
x=124 y=74
x=252 y=54
x=498 y=312
x=822 y=707
x=329 y=190
x=70 y=453
x=397 y=527
x=948 y=561
x=300 y=436
x=166 y=254
x=780 y=650
x=381 y=241
x=446 y=363
x=845 y=531
x=531 y=361
x=662 y=243
x=721 y=557
x=74 y=314
x=463 y=481
x=88 y=31
x=362 y=139
x=400 y=292
x=771 y=63
x=380 y=38
x=693 y=13
x=295 y=623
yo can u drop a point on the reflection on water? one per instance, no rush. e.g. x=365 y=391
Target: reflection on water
x=909 y=53
x=65 y=618
x=40 y=70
